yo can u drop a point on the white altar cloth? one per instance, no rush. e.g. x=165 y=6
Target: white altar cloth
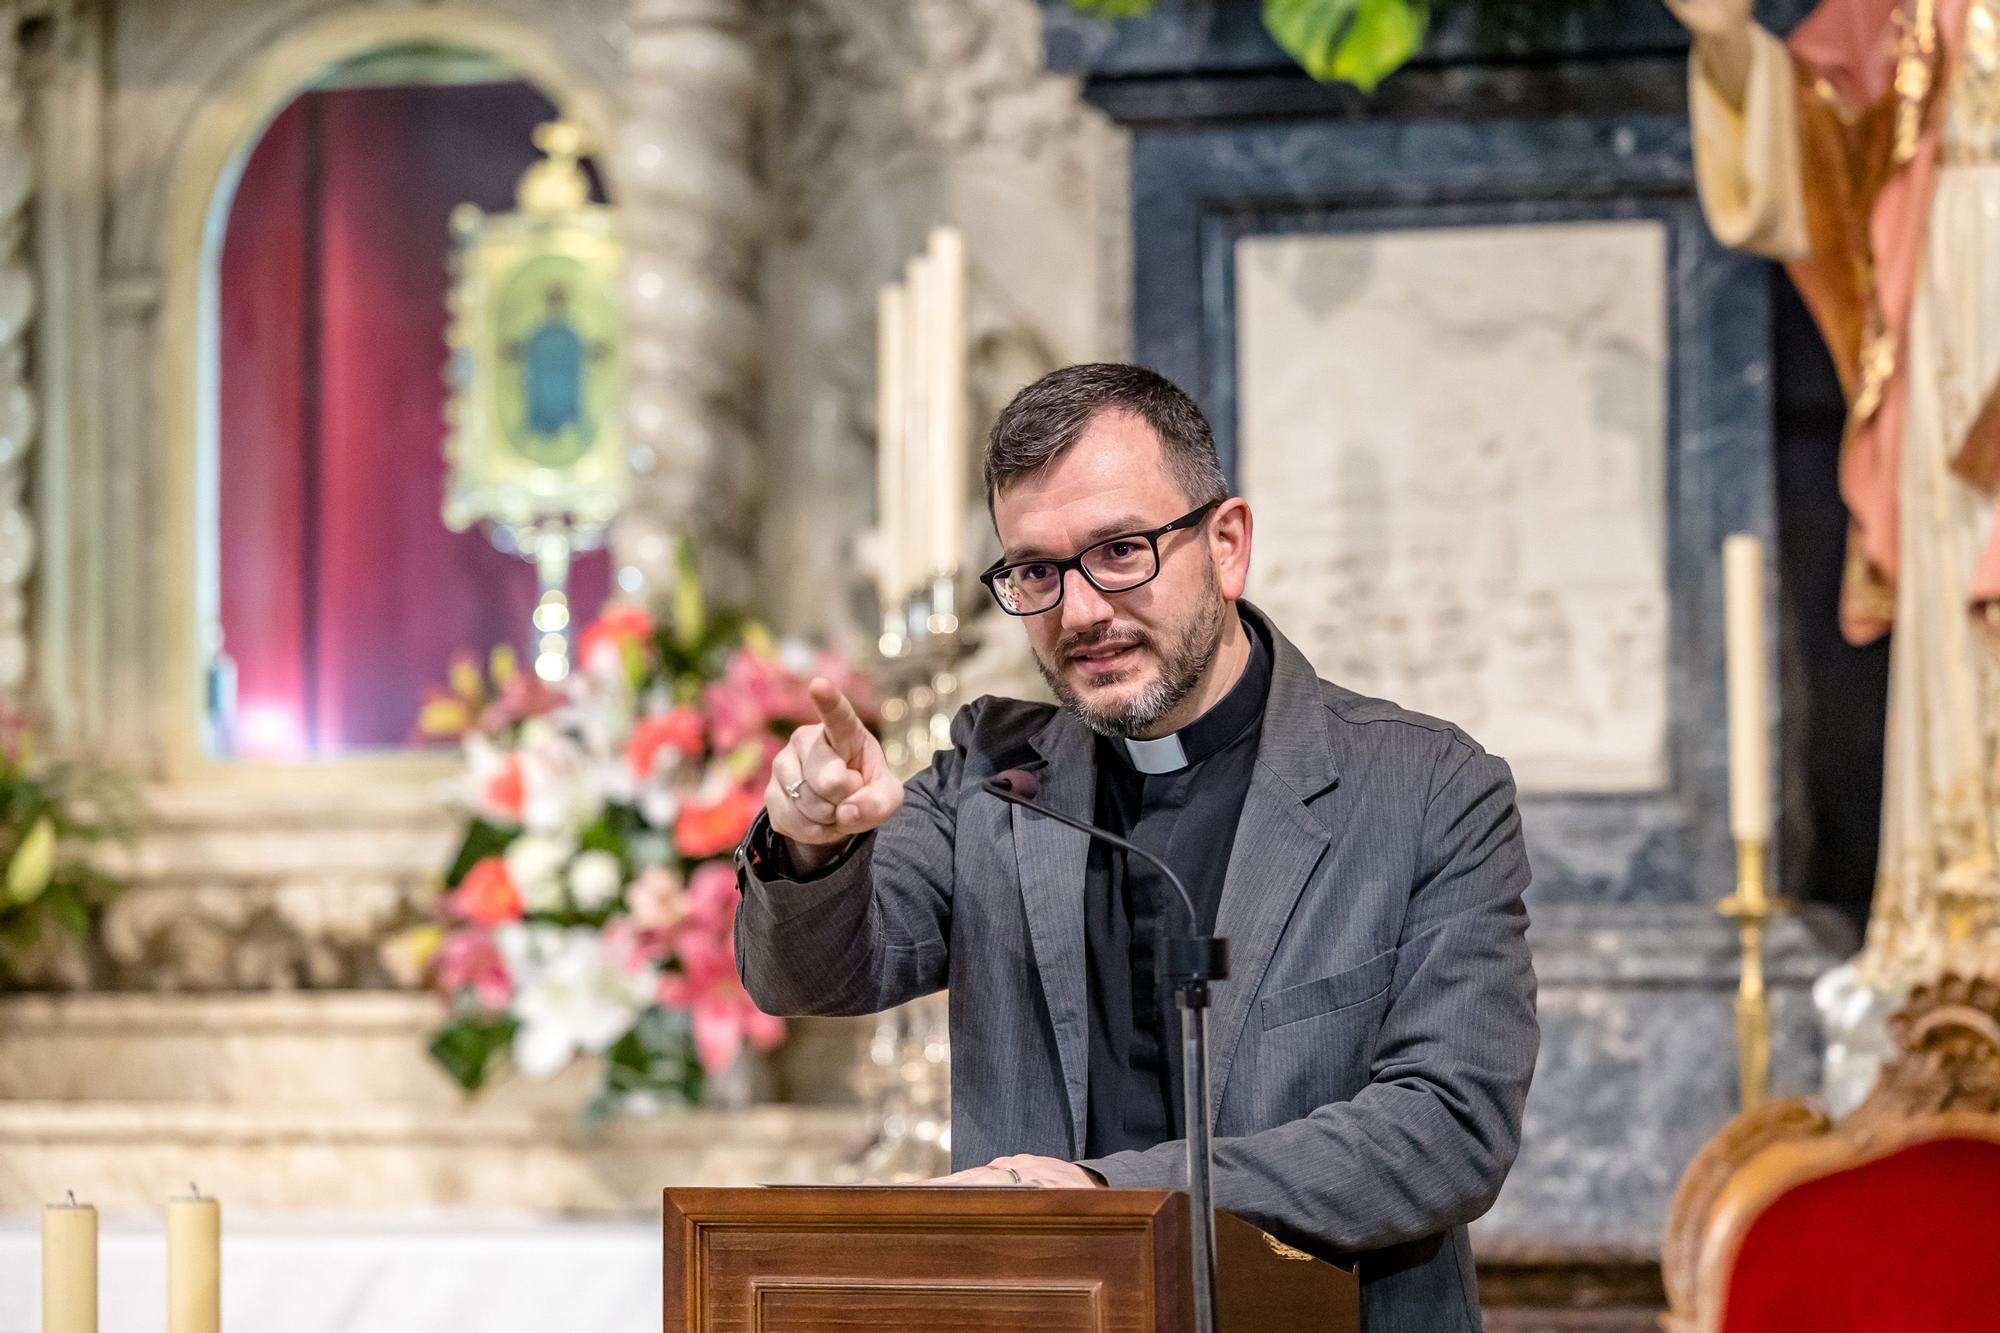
x=362 y=1274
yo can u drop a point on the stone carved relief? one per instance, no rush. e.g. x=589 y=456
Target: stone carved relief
x=1460 y=482
x=18 y=405
x=870 y=86
x=894 y=117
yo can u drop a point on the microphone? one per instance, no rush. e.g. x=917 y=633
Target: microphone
x=1019 y=787
x=1188 y=964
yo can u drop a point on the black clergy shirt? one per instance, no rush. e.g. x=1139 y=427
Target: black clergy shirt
x=1187 y=818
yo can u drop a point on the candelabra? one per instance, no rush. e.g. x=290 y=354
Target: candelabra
x=908 y=1076
x=1751 y=908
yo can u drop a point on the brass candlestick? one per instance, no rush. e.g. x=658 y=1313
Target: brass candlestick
x=1750 y=907
x=908 y=1077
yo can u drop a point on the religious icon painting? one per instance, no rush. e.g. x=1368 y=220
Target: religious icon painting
x=537 y=360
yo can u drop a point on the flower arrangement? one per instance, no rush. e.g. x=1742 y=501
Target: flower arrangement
x=47 y=810
x=591 y=905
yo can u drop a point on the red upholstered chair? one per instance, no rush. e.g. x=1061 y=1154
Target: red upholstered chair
x=1887 y=1221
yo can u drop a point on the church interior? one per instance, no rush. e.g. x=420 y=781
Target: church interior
x=439 y=440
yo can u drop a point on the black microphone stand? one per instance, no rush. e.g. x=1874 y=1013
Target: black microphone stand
x=1189 y=965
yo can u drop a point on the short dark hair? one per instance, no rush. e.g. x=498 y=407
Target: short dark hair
x=1044 y=421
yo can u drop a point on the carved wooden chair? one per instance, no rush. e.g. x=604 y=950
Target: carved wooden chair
x=1887 y=1220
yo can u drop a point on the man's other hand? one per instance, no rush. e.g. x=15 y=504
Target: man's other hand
x=1045 y=1172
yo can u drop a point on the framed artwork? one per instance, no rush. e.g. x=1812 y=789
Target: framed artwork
x=537 y=359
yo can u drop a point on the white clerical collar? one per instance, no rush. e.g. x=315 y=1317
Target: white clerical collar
x=1164 y=755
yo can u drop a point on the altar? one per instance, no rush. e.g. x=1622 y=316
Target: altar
x=400 y=1272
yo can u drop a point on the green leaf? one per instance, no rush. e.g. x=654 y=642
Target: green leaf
x=481 y=841
x=1114 y=9
x=1349 y=41
x=1310 y=30
x=66 y=905
x=1386 y=33
x=467 y=1044
x=33 y=862
x=690 y=609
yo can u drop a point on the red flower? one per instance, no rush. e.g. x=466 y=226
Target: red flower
x=618 y=626
x=504 y=791
x=487 y=894
x=677 y=729
x=709 y=830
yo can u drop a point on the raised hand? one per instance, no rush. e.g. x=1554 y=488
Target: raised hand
x=830 y=782
x=1724 y=19
x=1721 y=30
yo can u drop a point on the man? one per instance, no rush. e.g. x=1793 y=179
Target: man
x=1373 y=1044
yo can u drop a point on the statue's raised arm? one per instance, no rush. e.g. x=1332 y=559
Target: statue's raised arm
x=1742 y=98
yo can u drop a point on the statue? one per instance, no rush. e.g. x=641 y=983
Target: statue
x=1864 y=151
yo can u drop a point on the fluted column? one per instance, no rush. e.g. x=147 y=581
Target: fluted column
x=693 y=208
x=18 y=407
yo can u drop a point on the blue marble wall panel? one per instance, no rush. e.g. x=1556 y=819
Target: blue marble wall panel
x=1197 y=192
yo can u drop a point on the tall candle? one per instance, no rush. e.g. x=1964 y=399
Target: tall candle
x=947 y=406
x=1749 y=730
x=69 y=1268
x=194 y=1265
x=919 y=489
x=893 y=579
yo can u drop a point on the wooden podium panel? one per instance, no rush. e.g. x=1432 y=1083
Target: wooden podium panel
x=952 y=1260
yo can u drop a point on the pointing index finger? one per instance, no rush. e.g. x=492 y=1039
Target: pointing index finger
x=844 y=731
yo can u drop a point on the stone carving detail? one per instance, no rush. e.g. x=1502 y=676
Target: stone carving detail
x=881 y=86
x=18 y=406
x=693 y=210
x=304 y=934
x=1460 y=481
x=893 y=117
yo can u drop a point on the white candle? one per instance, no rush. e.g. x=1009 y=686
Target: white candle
x=194 y=1265
x=69 y=1268
x=919 y=491
x=891 y=441
x=1749 y=731
x=947 y=406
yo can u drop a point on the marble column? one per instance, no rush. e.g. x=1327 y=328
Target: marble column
x=693 y=206
x=17 y=399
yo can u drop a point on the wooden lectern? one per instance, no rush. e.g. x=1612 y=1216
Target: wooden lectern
x=954 y=1260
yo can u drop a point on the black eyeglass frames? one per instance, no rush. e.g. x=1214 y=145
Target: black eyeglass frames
x=1116 y=564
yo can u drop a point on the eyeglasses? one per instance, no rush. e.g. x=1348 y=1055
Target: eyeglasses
x=1116 y=564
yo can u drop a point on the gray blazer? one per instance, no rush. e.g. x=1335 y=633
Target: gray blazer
x=1372 y=1047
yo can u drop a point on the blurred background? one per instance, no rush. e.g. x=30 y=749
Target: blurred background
x=436 y=440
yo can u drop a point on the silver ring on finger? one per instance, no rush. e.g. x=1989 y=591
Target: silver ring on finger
x=1015 y=1175
x=792 y=789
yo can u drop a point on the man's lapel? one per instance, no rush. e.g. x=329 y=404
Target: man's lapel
x=1052 y=859
x=1279 y=841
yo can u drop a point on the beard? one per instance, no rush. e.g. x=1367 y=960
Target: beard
x=1184 y=651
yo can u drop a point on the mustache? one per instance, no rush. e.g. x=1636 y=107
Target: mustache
x=1090 y=641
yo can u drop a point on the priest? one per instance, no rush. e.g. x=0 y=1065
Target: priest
x=1373 y=1045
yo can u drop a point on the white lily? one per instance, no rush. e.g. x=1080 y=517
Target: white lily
x=596 y=878
x=568 y=997
x=555 y=796
x=535 y=863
